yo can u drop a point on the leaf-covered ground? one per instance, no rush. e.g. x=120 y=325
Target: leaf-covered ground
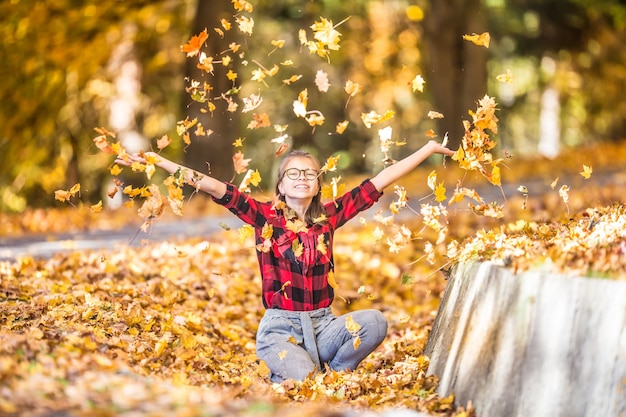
x=168 y=328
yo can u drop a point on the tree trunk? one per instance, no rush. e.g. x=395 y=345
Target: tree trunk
x=456 y=68
x=212 y=153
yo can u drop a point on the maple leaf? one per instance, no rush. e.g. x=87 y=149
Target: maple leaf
x=246 y=24
x=586 y=172
x=242 y=6
x=164 y=142
x=331 y=163
x=435 y=115
x=259 y=120
x=297 y=248
x=193 y=46
x=372 y=117
x=324 y=32
x=418 y=83
x=251 y=102
x=115 y=170
x=352 y=89
x=240 y=164
x=205 y=63
x=65 y=195
x=481 y=40
x=351 y=325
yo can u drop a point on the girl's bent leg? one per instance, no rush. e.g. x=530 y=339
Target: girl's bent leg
x=335 y=342
x=277 y=345
x=285 y=359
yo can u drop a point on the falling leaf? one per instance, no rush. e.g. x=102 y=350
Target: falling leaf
x=96 y=208
x=435 y=115
x=341 y=127
x=586 y=172
x=192 y=48
x=251 y=102
x=164 y=142
x=240 y=164
x=65 y=195
x=481 y=40
x=299 y=105
x=321 y=81
x=242 y=6
x=563 y=192
x=246 y=24
x=418 y=83
x=331 y=280
x=331 y=163
x=554 y=183
x=507 y=77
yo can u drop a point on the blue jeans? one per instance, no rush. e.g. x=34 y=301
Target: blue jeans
x=294 y=344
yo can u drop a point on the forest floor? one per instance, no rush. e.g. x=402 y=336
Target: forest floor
x=99 y=318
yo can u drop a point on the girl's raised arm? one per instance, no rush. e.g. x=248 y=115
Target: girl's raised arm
x=396 y=171
x=202 y=182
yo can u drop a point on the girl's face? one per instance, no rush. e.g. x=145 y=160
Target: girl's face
x=300 y=179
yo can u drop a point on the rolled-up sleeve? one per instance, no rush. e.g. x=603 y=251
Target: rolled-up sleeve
x=352 y=203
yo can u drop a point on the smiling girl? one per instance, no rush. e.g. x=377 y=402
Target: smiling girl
x=299 y=334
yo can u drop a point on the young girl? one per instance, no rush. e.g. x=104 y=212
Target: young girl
x=299 y=334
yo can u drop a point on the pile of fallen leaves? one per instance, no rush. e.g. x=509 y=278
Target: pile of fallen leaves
x=592 y=243
x=168 y=329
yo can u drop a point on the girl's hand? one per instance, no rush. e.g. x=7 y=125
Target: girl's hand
x=436 y=147
x=134 y=157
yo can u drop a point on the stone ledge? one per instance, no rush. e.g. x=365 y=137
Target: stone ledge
x=534 y=344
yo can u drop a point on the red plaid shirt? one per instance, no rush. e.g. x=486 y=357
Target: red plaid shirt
x=295 y=264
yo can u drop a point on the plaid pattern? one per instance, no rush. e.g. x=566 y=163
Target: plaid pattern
x=295 y=264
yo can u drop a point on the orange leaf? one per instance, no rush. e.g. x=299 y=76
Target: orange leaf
x=241 y=164
x=192 y=48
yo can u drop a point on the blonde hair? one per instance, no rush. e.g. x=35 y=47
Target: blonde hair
x=316 y=209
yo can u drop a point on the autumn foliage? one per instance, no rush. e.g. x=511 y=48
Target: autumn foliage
x=168 y=328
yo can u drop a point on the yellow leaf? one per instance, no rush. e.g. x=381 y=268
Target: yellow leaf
x=115 y=170
x=341 y=127
x=418 y=83
x=331 y=163
x=351 y=325
x=321 y=244
x=586 y=172
x=246 y=24
x=96 y=208
x=554 y=183
x=331 y=280
x=507 y=77
x=440 y=193
x=356 y=342
x=245 y=232
x=267 y=231
x=297 y=248
x=481 y=40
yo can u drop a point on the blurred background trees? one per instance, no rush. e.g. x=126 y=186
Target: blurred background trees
x=69 y=66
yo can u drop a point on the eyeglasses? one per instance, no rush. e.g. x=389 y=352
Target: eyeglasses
x=294 y=173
